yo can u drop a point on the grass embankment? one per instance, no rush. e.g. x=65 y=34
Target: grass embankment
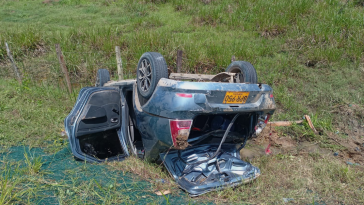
x=309 y=51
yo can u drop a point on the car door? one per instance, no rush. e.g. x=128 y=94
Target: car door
x=93 y=125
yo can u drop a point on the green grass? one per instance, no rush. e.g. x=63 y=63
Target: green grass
x=279 y=40
x=310 y=52
x=32 y=114
x=30 y=176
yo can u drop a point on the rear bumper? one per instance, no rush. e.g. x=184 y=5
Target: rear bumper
x=207 y=97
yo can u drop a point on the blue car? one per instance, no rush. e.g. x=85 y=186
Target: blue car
x=195 y=123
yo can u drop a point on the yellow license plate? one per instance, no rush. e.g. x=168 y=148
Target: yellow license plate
x=235 y=97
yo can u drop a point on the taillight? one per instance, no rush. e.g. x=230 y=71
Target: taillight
x=267 y=118
x=180 y=130
x=184 y=95
x=262 y=122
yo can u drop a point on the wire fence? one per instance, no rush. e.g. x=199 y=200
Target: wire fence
x=42 y=64
x=81 y=66
x=78 y=68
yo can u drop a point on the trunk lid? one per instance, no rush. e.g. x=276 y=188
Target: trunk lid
x=225 y=170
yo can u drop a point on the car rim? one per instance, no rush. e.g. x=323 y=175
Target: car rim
x=145 y=75
x=237 y=70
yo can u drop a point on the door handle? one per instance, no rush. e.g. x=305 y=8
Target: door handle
x=114 y=120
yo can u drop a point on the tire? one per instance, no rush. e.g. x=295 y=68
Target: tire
x=151 y=68
x=103 y=76
x=247 y=71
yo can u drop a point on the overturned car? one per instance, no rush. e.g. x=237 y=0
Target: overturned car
x=196 y=124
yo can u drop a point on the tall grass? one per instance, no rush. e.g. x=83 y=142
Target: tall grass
x=309 y=51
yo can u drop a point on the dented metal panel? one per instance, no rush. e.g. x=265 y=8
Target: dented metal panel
x=207 y=97
x=226 y=170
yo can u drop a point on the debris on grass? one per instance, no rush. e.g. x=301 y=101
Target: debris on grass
x=284 y=123
x=285 y=200
x=267 y=150
x=354 y=164
x=159 y=193
x=161 y=181
x=308 y=119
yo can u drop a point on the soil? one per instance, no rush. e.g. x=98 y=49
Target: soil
x=352 y=116
x=353 y=146
x=49 y=1
x=273 y=32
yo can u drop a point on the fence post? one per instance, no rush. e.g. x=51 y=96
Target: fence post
x=119 y=63
x=179 y=60
x=63 y=67
x=232 y=58
x=16 y=70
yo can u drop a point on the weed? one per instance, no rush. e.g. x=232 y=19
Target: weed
x=8 y=186
x=33 y=163
x=27 y=109
x=147 y=171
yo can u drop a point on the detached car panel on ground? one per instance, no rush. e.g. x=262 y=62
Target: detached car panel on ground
x=225 y=170
x=196 y=128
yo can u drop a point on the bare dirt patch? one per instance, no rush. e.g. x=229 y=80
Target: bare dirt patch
x=256 y=147
x=15 y=114
x=352 y=146
x=203 y=20
x=49 y=1
x=352 y=119
x=272 y=32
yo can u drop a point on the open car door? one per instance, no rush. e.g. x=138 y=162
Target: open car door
x=93 y=126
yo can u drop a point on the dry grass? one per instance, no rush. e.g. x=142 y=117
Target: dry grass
x=305 y=178
x=150 y=172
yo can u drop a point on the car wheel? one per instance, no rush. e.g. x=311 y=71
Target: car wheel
x=103 y=76
x=247 y=72
x=151 y=68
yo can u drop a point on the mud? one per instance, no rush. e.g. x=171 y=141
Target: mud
x=181 y=140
